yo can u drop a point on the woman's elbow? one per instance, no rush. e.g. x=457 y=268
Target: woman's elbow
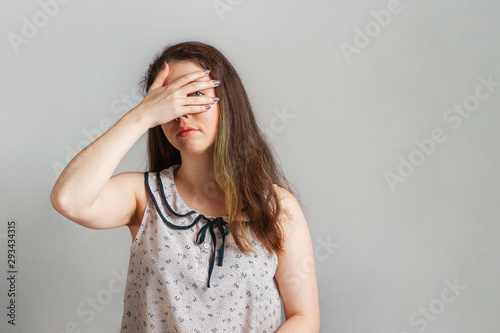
x=67 y=208
x=56 y=201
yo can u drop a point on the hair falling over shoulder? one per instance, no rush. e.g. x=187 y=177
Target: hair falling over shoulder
x=243 y=163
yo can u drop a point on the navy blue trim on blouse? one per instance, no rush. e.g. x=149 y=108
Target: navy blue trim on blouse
x=164 y=198
x=200 y=237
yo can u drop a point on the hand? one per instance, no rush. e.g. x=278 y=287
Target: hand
x=166 y=103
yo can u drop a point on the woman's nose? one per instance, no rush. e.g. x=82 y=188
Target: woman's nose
x=184 y=115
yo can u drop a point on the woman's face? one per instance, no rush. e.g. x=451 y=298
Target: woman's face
x=206 y=122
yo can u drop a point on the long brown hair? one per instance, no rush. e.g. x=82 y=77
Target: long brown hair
x=242 y=161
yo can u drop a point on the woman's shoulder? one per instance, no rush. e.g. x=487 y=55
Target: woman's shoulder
x=135 y=180
x=290 y=205
x=283 y=193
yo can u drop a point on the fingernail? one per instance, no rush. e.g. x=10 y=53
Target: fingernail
x=208 y=106
x=206 y=71
x=216 y=82
x=216 y=99
x=164 y=64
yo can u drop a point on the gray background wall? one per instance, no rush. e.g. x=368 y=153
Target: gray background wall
x=353 y=101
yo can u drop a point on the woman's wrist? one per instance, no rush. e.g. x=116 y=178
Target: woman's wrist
x=138 y=116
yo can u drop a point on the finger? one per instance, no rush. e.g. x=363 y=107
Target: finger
x=190 y=109
x=198 y=100
x=195 y=108
x=160 y=77
x=198 y=86
x=188 y=78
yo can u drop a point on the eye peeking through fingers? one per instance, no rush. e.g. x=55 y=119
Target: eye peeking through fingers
x=196 y=93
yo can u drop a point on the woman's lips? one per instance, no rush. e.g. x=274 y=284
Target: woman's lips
x=187 y=133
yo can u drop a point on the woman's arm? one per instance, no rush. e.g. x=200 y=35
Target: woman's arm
x=296 y=273
x=86 y=193
x=88 y=177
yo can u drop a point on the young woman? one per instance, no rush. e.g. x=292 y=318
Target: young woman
x=218 y=235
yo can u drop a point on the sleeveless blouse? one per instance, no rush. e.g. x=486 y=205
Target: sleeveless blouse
x=186 y=273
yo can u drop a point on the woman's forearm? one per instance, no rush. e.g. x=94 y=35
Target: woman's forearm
x=83 y=179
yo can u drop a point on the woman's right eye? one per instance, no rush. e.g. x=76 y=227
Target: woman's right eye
x=197 y=93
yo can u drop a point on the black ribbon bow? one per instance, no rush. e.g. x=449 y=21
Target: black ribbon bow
x=200 y=238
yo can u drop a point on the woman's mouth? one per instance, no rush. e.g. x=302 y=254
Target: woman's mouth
x=187 y=133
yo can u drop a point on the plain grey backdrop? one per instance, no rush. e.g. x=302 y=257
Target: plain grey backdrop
x=383 y=114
